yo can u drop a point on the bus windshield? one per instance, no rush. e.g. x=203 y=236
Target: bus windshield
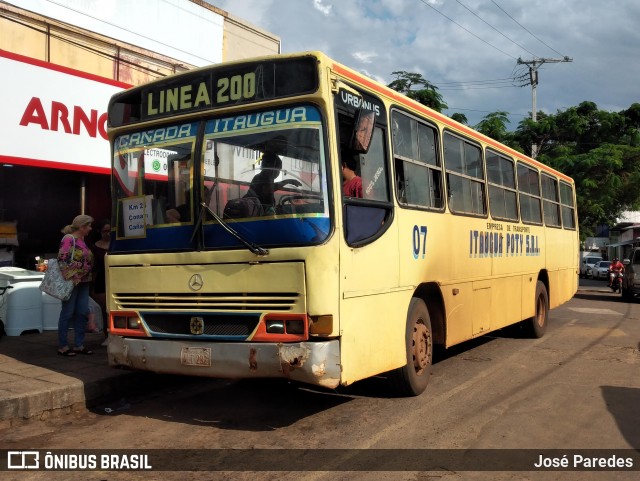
x=263 y=173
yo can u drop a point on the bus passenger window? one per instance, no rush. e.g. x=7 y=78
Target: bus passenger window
x=465 y=178
x=551 y=204
x=502 y=187
x=418 y=171
x=529 y=195
x=568 y=208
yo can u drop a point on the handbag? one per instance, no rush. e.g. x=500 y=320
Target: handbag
x=54 y=282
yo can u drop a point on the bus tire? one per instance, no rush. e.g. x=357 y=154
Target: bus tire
x=537 y=325
x=413 y=377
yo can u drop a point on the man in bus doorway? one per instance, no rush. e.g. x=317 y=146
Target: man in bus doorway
x=352 y=185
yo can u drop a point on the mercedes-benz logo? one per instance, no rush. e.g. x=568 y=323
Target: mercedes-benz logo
x=196 y=282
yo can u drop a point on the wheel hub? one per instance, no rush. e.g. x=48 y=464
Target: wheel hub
x=421 y=347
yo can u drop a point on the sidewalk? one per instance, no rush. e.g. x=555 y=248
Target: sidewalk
x=34 y=380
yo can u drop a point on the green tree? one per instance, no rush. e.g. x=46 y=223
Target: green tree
x=426 y=95
x=494 y=125
x=599 y=149
x=607 y=179
x=458 y=117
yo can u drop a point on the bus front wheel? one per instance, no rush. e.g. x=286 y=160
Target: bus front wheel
x=412 y=379
x=537 y=325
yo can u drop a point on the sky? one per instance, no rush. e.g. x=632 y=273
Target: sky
x=469 y=49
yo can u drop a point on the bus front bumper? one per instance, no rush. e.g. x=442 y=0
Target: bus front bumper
x=316 y=363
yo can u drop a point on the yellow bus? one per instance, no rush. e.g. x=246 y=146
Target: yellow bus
x=236 y=252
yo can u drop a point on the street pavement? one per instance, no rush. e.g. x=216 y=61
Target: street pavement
x=36 y=382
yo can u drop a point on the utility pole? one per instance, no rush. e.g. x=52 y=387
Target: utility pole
x=533 y=79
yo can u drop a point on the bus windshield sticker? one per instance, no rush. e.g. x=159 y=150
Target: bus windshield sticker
x=133 y=216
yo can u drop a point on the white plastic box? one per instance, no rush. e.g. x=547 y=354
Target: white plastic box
x=23 y=308
x=51 y=308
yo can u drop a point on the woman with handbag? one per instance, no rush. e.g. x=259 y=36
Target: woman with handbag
x=76 y=263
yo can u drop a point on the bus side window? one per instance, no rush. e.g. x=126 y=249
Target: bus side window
x=568 y=207
x=529 y=194
x=550 y=201
x=418 y=170
x=503 y=202
x=364 y=219
x=465 y=177
x=373 y=169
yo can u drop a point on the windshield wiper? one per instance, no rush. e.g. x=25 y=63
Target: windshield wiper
x=254 y=248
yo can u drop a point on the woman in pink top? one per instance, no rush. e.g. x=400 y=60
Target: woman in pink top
x=76 y=263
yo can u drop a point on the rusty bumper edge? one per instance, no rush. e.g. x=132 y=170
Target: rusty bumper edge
x=316 y=363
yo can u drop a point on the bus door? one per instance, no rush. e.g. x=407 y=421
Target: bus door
x=369 y=250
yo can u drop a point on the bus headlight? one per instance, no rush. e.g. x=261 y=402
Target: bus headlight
x=275 y=327
x=128 y=321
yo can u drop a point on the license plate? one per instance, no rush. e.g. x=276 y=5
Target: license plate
x=196 y=356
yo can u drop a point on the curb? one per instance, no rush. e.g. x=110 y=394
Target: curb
x=76 y=395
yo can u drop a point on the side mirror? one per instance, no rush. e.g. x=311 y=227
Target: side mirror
x=363 y=131
x=626 y=262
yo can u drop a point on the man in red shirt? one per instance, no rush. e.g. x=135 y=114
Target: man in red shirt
x=352 y=185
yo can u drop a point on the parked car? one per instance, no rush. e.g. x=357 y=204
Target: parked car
x=600 y=270
x=587 y=263
x=631 y=279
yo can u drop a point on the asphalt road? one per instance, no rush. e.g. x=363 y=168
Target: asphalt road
x=576 y=388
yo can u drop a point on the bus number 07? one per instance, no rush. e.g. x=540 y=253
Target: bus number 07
x=419 y=241
x=236 y=88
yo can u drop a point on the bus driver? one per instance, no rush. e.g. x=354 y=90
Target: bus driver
x=263 y=184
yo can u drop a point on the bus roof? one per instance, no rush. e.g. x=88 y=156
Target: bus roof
x=192 y=76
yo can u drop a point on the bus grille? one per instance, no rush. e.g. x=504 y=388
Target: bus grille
x=254 y=301
x=214 y=325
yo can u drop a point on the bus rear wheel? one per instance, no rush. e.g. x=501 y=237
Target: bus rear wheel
x=412 y=379
x=537 y=325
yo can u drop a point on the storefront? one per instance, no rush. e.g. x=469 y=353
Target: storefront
x=54 y=163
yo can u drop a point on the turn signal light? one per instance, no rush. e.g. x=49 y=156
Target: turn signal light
x=127 y=324
x=277 y=327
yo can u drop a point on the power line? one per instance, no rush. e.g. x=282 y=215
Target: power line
x=477 y=82
x=539 y=40
x=467 y=30
x=481 y=88
x=494 y=28
x=519 y=81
